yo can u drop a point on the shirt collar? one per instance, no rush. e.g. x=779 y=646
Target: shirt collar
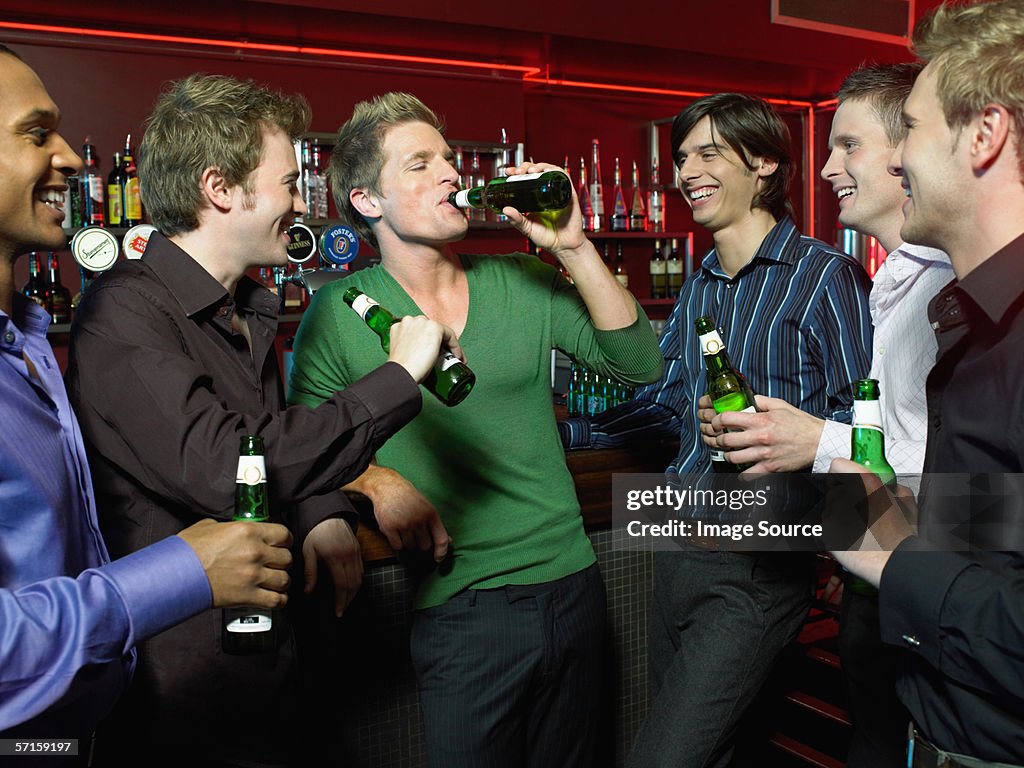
x=194 y=288
x=779 y=245
x=28 y=319
x=996 y=284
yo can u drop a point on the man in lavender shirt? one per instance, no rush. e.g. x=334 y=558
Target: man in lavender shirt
x=70 y=618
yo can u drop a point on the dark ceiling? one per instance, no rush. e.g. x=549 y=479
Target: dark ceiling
x=726 y=44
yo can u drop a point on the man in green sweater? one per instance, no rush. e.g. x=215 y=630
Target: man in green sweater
x=507 y=640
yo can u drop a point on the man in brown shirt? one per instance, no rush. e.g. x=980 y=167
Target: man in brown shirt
x=171 y=360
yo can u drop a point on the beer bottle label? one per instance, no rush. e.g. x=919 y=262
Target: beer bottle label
x=711 y=343
x=448 y=360
x=867 y=414
x=247 y=619
x=252 y=470
x=363 y=304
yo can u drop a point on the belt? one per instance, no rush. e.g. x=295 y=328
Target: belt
x=921 y=753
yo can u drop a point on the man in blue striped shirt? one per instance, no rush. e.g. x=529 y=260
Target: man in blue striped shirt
x=794 y=315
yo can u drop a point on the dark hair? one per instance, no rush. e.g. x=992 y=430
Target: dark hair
x=752 y=129
x=9 y=52
x=885 y=87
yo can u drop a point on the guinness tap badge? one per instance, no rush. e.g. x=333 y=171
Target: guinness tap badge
x=339 y=244
x=95 y=249
x=301 y=244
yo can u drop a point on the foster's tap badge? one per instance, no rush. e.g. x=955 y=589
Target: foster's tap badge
x=339 y=244
x=95 y=249
x=301 y=244
x=136 y=239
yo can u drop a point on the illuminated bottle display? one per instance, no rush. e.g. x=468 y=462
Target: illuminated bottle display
x=528 y=192
x=58 y=298
x=727 y=387
x=248 y=629
x=656 y=201
x=450 y=380
x=656 y=268
x=673 y=270
x=35 y=287
x=596 y=190
x=93 y=197
x=132 y=211
x=590 y=222
x=867 y=440
x=620 y=216
x=637 y=212
x=115 y=193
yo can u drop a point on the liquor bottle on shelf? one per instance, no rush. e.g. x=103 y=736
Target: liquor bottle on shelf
x=115 y=193
x=727 y=387
x=528 y=192
x=476 y=179
x=93 y=199
x=656 y=200
x=460 y=167
x=132 y=211
x=674 y=270
x=566 y=167
x=35 y=286
x=58 y=298
x=596 y=190
x=637 y=212
x=604 y=254
x=620 y=216
x=311 y=179
x=504 y=158
x=620 y=268
x=247 y=629
x=73 y=203
x=322 y=203
x=656 y=268
x=590 y=221
x=450 y=380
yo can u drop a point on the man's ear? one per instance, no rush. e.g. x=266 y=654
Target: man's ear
x=216 y=189
x=766 y=166
x=988 y=134
x=365 y=201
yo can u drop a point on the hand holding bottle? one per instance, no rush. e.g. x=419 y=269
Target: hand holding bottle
x=554 y=231
x=416 y=341
x=246 y=564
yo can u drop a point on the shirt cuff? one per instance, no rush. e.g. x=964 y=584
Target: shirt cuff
x=391 y=396
x=834 y=444
x=309 y=513
x=634 y=350
x=162 y=585
x=575 y=432
x=914 y=585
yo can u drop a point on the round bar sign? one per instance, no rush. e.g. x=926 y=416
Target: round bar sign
x=339 y=244
x=301 y=244
x=136 y=239
x=95 y=249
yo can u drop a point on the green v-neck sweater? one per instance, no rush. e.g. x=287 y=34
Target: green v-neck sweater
x=493 y=465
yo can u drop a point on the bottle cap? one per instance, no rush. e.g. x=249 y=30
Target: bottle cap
x=339 y=244
x=301 y=244
x=95 y=249
x=136 y=239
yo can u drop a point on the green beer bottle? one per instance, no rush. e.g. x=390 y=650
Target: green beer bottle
x=249 y=629
x=547 y=191
x=450 y=380
x=867 y=448
x=727 y=387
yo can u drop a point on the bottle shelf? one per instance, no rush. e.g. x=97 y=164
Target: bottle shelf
x=608 y=235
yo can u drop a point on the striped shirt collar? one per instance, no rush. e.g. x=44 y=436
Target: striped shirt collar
x=779 y=245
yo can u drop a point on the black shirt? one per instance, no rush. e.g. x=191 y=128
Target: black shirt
x=163 y=388
x=954 y=595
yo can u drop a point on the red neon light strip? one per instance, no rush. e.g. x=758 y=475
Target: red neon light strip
x=266 y=47
x=809 y=218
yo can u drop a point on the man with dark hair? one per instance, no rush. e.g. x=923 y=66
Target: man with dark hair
x=70 y=617
x=795 y=320
x=952 y=597
x=172 y=358
x=866 y=128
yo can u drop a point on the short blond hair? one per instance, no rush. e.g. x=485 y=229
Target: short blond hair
x=358 y=155
x=206 y=121
x=977 y=52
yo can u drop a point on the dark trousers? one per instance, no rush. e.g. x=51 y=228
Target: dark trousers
x=879 y=738
x=513 y=676
x=718 y=622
